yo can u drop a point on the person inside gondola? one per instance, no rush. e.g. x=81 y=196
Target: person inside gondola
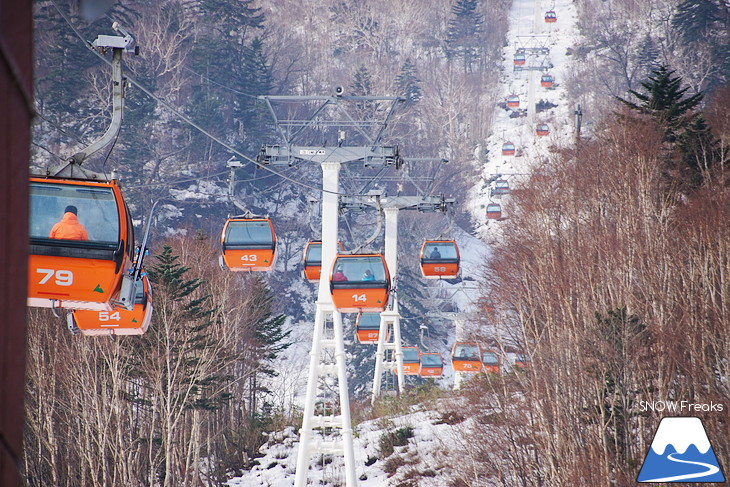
x=368 y=275
x=339 y=276
x=69 y=228
x=435 y=254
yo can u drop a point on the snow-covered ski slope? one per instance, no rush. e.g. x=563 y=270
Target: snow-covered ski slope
x=545 y=47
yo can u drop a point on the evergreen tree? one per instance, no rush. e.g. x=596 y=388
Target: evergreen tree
x=698 y=151
x=664 y=100
x=705 y=25
x=463 y=38
x=407 y=83
x=692 y=149
x=697 y=19
x=362 y=83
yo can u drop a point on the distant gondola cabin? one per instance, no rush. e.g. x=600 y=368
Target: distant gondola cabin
x=249 y=244
x=118 y=321
x=367 y=328
x=522 y=361
x=519 y=59
x=513 y=101
x=312 y=260
x=501 y=187
x=494 y=211
x=359 y=282
x=546 y=80
x=550 y=17
x=440 y=259
x=508 y=149
x=411 y=360
x=81 y=243
x=542 y=129
x=490 y=362
x=432 y=365
x=466 y=357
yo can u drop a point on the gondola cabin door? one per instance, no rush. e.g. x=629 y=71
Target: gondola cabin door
x=81 y=243
x=359 y=282
x=440 y=259
x=249 y=244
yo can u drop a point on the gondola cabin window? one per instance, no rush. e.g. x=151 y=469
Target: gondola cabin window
x=68 y=206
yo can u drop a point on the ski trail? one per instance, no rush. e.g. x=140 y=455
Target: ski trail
x=711 y=470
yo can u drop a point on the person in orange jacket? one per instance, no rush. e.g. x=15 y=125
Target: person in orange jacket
x=69 y=228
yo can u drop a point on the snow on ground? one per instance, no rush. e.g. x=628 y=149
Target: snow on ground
x=421 y=456
x=527 y=29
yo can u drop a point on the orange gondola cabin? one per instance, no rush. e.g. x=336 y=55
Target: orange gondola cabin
x=466 y=357
x=519 y=59
x=118 y=321
x=440 y=259
x=508 y=149
x=367 y=328
x=513 y=101
x=494 y=211
x=522 y=361
x=249 y=244
x=411 y=360
x=359 y=282
x=81 y=243
x=542 y=129
x=501 y=187
x=432 y=364
x=312 y=261
x=551 y=17
x=490 y=362
x=546 y=80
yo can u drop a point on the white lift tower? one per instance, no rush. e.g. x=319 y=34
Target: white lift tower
x=326 y=428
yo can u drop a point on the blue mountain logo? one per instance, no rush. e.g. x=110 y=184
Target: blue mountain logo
x=680 y=452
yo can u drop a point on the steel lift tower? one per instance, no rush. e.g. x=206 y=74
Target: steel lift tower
x=325 y=429
x=390 y=318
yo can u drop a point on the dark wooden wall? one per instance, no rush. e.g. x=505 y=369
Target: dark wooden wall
x=16 y=76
